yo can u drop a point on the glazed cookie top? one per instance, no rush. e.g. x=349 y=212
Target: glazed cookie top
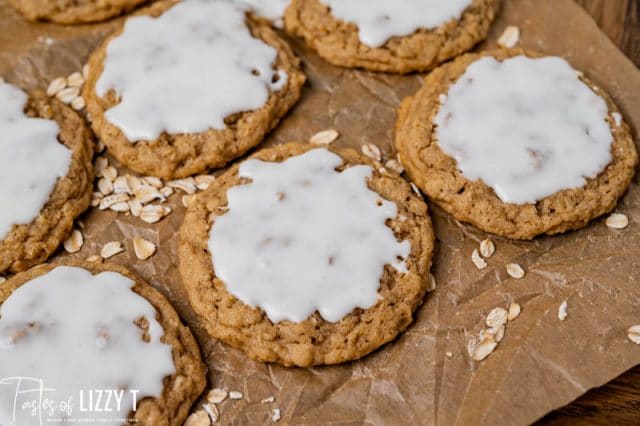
x=527 y=127
x=68 y=321
x=187 y=70
x=301 y=237
x=31 y=160
x=380 y=20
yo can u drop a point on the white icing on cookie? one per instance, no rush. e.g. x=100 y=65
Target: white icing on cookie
x=187 y=70
x=302 y=237
x=272 y=10
x=31 y=160
x=75 y=332
x=380 y=20
x=527 y=128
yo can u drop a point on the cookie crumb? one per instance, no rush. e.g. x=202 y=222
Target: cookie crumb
x=510 y=37
x=74 y=243
x=94 y=259
x=514 y=311
x=144 y=249
x=216 y=396
x=487 y=248
x=268 y=400
x=111 y=249
x=634 y=334
x=324 y=137
x=449 y=354
x=617 y=221
x=276 y=415
x=562 y=311
x=515 y=271
x=478 y=260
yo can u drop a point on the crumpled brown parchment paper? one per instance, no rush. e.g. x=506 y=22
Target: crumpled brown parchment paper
x=541 y=364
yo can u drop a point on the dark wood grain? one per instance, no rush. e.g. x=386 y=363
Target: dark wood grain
x=617 y=403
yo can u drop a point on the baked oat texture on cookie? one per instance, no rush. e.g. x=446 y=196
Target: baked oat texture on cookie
x=182 y=388
x=437 y=175
x=181 y=155
x=73 y=11
x=29 y=244
x=313 y=341
x=338 y=41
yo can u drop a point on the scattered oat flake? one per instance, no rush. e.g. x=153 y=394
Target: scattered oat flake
x=497 y=317
x=324 y=137
x=85 y=71
x=395 y=166
x=497 y=332
x=415 y=189
x=75 y=80
x=166 y=191
x=515 y=271
x=276 y=415
x=96 y=199
x=235 y=395
x=152 y=213
x=111 y=249
x=562 y=311
x=108 y=202
x=617 y=221
x=478 y=260
x=121 y=185
x=514 y=311
x=634 y=334
x=78 y=103
x=135 y=207
x=199 y=418
x=94 y=259
x=484 y=349
x=68 y=94
x=372 y=151
x=143 y=249
x=216 y=396
x=432 y=283
x=449 y=354
x=187 y=185
x=105 y=186
x=203 y=181
x=100 y=164
x=146 y=194
x=487 y=248
x=509 y=37
x=212 y=411
x=56 y=86
x=74 y=243
x=268 y=400
x=153 y=181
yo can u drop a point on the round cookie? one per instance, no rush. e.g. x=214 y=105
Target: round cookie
x=314 y=340
x=179 y=390
x=73 y=11
x=339 y=42
x=438 y=175
x=180 y=154
x=29 y=244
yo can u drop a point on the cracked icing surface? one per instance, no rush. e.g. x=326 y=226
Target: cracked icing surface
x=438 y=175
x=526 y=127
x=389 y=300
x=229 y=98
x=302 y=237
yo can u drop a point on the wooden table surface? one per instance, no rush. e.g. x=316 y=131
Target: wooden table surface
x=617 y=403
